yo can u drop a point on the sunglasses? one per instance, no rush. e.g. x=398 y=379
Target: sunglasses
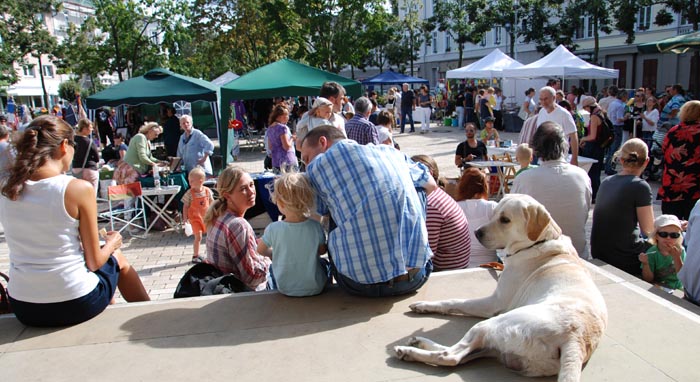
x=673 y=235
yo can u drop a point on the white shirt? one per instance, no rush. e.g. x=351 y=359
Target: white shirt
x=653 y=115
x=565 y=191
x=691 y=267
x=559 y=115
x=605 y=102
x=46 y=258
x=478 y=213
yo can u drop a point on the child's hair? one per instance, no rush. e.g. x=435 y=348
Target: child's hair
x=34 y=148
x=227 y=181
x=523 y=151
x=473 y=185
x=294 y=190
x=197 y=171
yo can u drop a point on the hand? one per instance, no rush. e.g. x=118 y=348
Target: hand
x=675 y=250
x=470 y=157
x=114 y=240
x=643 y=258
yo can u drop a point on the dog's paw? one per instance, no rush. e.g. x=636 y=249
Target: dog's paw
x=421 y=307
x=403 y=353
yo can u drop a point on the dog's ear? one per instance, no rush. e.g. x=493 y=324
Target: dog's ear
x=540 y=225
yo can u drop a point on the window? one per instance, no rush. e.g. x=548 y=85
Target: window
x=585 y=28
x=497 y=36
x=48 y=71
x=644 y=18
x=589 y=32
x=28 y=71
x=448 y=42
x=434 y=42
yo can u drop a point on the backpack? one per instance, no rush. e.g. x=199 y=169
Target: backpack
x=205 y=279
x=606 y=132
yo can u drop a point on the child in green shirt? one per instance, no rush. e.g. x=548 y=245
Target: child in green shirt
x=662 y=262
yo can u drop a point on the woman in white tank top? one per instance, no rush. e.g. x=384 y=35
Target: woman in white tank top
x=59 y=275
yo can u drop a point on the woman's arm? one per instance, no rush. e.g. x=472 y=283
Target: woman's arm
x=80 y=204
x=645 y=216
x=592 y=129
x=143 y=154
x=286 y=141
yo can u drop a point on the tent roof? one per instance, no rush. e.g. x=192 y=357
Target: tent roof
x=158 y=85
x=676 y=44
x=224 y=78
x=391 y=77
x=560 y=63
x=284 y=78
x=490 y=66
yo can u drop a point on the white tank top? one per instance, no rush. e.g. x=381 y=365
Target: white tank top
x=46 y=259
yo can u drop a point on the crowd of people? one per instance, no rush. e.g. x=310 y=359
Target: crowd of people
x=362 y=214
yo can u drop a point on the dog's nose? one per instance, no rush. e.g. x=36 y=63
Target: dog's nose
x=479 y=234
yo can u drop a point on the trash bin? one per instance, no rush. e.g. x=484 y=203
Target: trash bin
x=447 y=122
x=455 y=122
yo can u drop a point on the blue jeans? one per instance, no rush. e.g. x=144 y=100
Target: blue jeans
x=407 y=113
x=385 y=289
x=460 y=116
x=612 y=149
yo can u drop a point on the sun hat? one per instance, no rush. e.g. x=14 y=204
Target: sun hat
x=589 y=101
x=665 y=221
x=320 y=101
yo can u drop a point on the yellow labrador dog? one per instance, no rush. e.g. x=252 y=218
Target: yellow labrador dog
x=546 y=316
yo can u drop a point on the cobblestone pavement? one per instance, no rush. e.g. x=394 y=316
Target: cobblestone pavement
x=163 y=257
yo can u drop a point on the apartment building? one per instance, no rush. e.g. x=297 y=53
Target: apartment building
x=636 y=69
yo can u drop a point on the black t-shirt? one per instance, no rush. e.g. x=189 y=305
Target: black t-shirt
x=407 y=99
x=463 y=150
x=84 y=147
x=459 y=101
x=469 y=99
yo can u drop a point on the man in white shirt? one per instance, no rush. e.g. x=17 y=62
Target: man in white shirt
x=610 y=94
x=564 y=189
x=552 y=112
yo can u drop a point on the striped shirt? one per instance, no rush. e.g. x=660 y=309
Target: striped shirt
x=361 y=130
x=231 y=248
x=448 y=232
x=370 y=191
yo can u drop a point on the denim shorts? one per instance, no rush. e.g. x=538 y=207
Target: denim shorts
x=74 y=311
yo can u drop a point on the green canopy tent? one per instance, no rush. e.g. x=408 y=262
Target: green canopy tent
x=156 y=86
x=283 y=78
x=676 y=44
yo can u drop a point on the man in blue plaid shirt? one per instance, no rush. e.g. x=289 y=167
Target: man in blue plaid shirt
x=376 y=196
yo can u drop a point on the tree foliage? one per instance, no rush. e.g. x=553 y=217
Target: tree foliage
x=23 y=32
x=81 y=54
x=465 y=21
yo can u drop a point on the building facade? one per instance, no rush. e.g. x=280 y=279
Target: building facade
x=636 y=69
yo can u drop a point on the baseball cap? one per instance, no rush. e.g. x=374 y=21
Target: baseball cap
x=666 y=220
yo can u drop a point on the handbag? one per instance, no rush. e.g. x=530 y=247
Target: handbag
x=87 y=153
x=5 y=307
x=523 y=114
x=205 y=279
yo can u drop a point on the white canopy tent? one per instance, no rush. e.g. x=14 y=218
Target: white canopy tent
x=560 y=63
x=491 y=66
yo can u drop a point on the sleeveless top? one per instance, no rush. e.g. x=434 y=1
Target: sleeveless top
x=46 y=259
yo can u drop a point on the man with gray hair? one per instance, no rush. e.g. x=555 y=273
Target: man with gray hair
x=6 y=153
x=564 y=189
x=551 y=111
x=359 y=128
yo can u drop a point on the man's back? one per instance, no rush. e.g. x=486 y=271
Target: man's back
x=370 y=192
x=565 y=190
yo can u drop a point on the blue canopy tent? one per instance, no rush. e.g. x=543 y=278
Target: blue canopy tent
x=393 y=78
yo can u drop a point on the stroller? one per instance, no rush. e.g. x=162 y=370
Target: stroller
x=656 y=155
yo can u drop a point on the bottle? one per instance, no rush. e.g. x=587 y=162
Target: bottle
x=156 y=177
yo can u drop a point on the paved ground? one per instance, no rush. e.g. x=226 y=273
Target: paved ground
x=163 y=257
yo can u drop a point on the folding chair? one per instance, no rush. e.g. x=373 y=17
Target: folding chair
x=133 y=215
x=507 y=173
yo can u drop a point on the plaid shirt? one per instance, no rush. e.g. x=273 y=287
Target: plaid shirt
x=361 y=130
x=231 y=248
x=370 y=191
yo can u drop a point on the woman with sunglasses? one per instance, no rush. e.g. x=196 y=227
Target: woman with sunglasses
x=623 y=211
x=662 y=262
x=59 y=273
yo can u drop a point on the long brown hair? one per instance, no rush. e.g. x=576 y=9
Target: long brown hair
x=34 y=148
x=276 y=112
x=226 y=183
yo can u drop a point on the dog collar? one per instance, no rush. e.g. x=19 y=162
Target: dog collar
x=522 y=249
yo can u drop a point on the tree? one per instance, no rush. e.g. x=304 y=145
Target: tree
x=69 y=89
x=541 y=24
x=465 y=21
x=81 y=54
x=600 y=13
x=134 y=30
x=414 y=30
x=23 y=32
